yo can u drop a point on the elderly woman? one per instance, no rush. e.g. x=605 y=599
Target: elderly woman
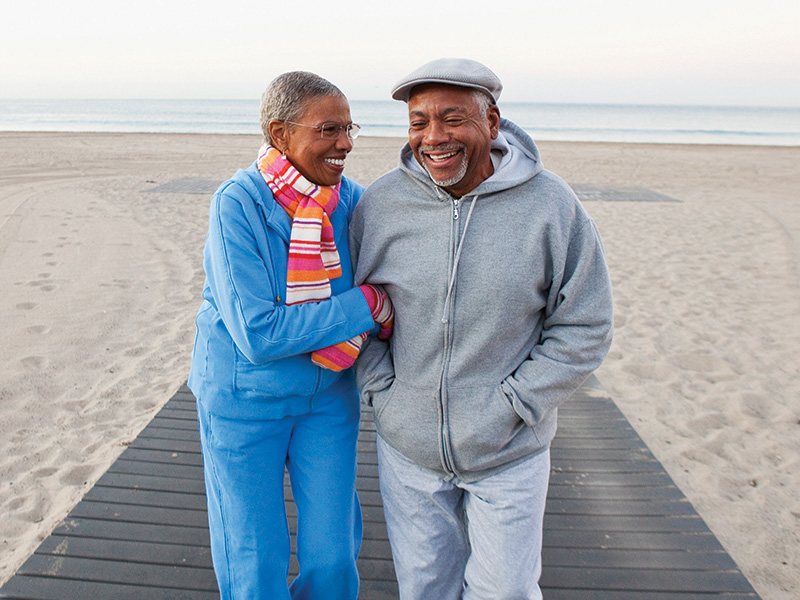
x=279 y=325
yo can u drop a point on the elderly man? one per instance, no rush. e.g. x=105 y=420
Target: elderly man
x=503 y=309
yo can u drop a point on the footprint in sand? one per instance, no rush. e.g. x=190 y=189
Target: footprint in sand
x=26 y=305
x=30 y=507
x=78 y=475
x=707 y=423
x=22 y=437
x=33 y=362
x=38 y=329
x=45 y=285
x=698 y=362
x=44 y=472
x=652 y=371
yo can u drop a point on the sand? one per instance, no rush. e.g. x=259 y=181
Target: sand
x=101 y=280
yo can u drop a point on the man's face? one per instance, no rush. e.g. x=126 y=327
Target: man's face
x=450 y=137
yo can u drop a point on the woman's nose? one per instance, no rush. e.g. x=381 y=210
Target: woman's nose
x=344 y=141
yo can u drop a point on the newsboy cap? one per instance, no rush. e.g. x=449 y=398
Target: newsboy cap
x=452 y=71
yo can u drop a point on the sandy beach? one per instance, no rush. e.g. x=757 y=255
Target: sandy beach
x=101 y=280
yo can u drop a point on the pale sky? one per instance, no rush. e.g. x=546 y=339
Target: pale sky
x=731 y=52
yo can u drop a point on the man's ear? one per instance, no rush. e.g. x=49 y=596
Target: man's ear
x=277 y=133
x=493 y=115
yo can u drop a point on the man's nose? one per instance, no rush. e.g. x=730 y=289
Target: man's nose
x=436 y=133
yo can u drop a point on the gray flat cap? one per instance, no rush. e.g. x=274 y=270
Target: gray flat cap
x=452 y=71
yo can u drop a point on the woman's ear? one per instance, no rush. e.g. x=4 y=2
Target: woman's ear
x=277 y=133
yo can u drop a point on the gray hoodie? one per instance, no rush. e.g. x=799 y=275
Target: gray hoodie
x=503 y=309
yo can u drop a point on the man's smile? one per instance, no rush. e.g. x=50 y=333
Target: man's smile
x=440 y=156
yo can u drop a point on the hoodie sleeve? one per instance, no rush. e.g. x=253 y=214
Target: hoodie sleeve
x=375 y=366
x=576 y=335
x=241 y=284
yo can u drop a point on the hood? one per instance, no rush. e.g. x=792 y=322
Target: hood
x=253 y=184
x=518 y=158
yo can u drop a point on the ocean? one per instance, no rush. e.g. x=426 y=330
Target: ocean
x=764 y=126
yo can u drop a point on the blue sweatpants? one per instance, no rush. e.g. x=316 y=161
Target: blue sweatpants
x=244 y=465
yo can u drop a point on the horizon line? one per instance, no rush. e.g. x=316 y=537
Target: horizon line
x=391 y=101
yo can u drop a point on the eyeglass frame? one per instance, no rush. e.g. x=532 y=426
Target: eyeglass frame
x=348 y=129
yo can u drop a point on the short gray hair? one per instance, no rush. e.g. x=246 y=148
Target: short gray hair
x=287 y=97
x=482 y=99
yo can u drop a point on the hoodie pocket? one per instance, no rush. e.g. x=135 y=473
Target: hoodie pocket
x=293 y=376
x=408 y=419
x=380 y=400
x=484 y=427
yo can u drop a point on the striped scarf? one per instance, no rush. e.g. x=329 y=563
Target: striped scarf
x=313 y=258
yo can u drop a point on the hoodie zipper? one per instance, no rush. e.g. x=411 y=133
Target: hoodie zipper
x=447 y=458
x=456 y=246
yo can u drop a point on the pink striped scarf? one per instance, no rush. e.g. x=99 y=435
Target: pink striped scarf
x=313 y=258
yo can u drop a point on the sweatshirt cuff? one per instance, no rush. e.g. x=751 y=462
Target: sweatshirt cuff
x=356 y=309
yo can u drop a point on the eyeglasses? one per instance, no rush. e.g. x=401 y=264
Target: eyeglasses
x=331 y=131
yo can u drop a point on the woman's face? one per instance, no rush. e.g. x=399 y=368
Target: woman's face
x=318 y=159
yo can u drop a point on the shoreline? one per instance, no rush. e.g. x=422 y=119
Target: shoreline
x=103 y=281
x=364 y=136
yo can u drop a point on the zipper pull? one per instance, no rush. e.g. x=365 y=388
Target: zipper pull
x=455 y=209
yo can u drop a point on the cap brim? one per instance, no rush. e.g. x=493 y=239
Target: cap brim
x=403 y=92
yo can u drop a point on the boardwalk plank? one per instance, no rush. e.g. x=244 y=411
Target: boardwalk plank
x=581 y=594
x=154 y=431
x=644 y=580
x=135 y=481
x=613 y=523
x=126 y=550
x=42 y=587
x=121 y=572
x=136 y=467
x=160 y=498
x=140 y=532
x=636 y=559
x=602 y=507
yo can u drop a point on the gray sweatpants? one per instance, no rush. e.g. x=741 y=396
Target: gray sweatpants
x=473 y=541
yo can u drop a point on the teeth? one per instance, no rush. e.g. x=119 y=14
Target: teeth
x=335 y=161
x=441 y=157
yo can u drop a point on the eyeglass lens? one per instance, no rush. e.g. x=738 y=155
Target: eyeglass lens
x=332 y=130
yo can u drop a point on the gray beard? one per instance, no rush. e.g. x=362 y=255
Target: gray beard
x=462 y=170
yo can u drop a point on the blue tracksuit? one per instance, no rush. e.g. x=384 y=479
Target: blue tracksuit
x=263 y=405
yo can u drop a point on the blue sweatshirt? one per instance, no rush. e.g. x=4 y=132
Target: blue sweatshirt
x=251 y=353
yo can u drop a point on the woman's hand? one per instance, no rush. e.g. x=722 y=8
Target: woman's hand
x=342 y=355
x=339 y=356
x=381 y=308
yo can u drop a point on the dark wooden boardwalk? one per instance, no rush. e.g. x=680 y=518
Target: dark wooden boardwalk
x=616 y=527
